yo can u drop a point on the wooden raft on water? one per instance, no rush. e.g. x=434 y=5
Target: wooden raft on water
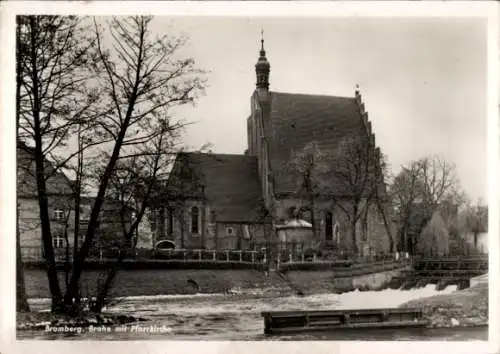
x=278 y=322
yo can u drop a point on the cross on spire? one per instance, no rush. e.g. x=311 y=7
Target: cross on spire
x=262 y=39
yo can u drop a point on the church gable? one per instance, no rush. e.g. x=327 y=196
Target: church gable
x=296 y=120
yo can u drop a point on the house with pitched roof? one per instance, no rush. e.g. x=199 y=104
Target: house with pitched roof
x=60 y=199
x=61 y=203
x=220 y=201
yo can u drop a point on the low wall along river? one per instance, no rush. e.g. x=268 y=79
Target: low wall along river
x=190 y=281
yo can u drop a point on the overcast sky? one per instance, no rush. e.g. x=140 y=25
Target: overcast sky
x=423 y=80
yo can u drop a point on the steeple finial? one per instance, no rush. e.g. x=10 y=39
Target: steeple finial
x=262 y=51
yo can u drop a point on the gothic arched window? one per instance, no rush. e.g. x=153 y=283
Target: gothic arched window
x=195 y=213
x=329 y=226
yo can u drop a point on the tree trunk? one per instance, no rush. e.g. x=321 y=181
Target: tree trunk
x=55 y=290
x=104 y=291
x=67 y=253
x=48 y=249
x=96 y=209
x=386 y=225
x=354 y=220
x=313 y=218
x=77 y=193
x=353 y=238
x=21 y=296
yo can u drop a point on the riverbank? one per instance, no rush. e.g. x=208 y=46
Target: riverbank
x=153 y=282
x=462 y=308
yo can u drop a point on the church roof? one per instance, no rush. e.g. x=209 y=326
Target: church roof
x=298 y=119
x=228 y=183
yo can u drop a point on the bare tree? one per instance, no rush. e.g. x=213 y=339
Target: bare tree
x=63 y=93
x=358 y=168
x=308 y=168
x=404 y=192
x=135 y=179
x=142 y=82
x=52 y=56
x=418 y=191
x=21 y=296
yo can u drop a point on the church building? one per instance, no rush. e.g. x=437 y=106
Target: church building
x=223 y=201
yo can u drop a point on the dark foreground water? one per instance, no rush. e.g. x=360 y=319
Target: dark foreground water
x=237 y=317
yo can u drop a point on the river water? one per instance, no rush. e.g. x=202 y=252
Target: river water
x=237 y=317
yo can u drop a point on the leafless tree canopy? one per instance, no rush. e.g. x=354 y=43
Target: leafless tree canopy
x=355 y=168
x=97 y=98
x=420 y=189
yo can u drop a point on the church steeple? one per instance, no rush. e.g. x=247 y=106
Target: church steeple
x=262 y=67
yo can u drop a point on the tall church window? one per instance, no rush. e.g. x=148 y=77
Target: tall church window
x=329 y=226
x=195 y=215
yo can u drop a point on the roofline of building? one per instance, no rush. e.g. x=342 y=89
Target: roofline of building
x=312 y=95
x=212 y=154
x=322 y=196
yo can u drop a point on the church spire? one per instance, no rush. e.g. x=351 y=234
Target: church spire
x=262 y=67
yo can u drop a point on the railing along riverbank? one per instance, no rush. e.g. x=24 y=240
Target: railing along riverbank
x=228 y=259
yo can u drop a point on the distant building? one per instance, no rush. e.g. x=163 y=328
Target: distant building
x=60 y=198
x=61 y=202
x=220 y=201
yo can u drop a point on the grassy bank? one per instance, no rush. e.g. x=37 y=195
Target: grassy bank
x=463 y=308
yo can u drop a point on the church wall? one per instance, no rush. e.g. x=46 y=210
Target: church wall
x=250 y=148
x=226 y=235
x=233 y=235
x=212 y=234
x=182 y=233
x=376 y=237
